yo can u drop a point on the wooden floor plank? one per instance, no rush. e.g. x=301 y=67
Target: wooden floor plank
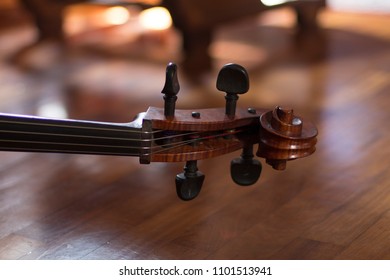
x=306 y=249
x=363 y=246
x=14 y=247
x=351 y=220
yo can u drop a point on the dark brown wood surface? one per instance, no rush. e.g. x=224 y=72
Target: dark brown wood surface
x=334 y=204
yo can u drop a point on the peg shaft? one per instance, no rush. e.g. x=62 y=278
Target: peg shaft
x=231 y=104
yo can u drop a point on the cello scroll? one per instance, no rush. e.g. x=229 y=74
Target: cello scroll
x=284 y=136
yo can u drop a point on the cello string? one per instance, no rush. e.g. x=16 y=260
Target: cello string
x=125 y=129
x=99 y=137
x=76 y=127
x=90 y=128
x=176 y=145
x=83 y=126
x=69 y=151
x=180 y=144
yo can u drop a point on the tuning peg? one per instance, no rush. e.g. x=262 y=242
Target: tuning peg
x=245 y=170
x=170 y=90
x=189 y=183
x=233 y=80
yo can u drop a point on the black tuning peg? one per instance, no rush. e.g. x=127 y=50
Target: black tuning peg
x=170 y=90
x=245 y=170
x=189 y=183
x=233 y=80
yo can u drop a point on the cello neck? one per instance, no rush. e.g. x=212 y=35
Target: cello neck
x=36 y=134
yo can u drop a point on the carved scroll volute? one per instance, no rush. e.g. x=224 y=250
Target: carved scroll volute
x=284 y=136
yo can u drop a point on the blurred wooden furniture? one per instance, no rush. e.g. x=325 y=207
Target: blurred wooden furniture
x=195 y=19
x=48 y=16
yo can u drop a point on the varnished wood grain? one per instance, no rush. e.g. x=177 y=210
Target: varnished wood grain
x=209 y=120
x=332 y=205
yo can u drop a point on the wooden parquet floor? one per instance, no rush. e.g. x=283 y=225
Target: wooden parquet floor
x=334 y=204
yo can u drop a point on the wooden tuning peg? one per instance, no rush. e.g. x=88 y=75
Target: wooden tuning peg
x=245 y=170
x=170 y=90
x=189 y=183
x=233 y=80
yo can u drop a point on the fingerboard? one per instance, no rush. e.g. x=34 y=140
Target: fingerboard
x=36 y=134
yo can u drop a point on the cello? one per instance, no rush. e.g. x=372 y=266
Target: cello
x=173 y=135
